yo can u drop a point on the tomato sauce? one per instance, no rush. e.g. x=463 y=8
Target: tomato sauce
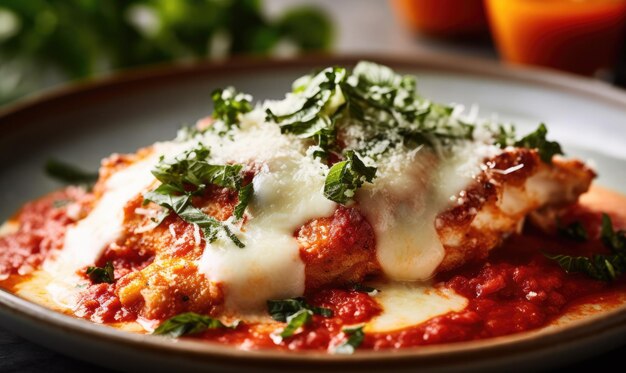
x=516 y=289
x=41 y=229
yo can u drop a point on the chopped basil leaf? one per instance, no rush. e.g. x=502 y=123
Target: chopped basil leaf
x=537 y=140
x=378 y=97
x=229 y=104
x=355 y=339
x=101 y=274
x=181 y=205
x=314 y=116
x=345 y=177
x=245 y=194
x=615 y=241
x=280 y=310
x=296 y=321
x=599 y=267
x=574 y=231
x=189 y=323
x=69 y=174
x=193 y=169
x=189 y=175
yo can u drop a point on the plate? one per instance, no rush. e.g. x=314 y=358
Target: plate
x=84 y=123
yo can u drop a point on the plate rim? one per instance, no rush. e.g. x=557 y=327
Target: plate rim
x=60 y=97
x=94 y=90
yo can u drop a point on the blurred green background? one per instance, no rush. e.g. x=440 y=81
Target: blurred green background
x=44 y=42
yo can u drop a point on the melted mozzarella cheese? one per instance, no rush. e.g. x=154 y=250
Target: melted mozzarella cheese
x=288 y=192
x=407 y=304
x=410 y=190
x=88 y=238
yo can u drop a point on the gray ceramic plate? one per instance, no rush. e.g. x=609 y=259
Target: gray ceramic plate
x=85 y=123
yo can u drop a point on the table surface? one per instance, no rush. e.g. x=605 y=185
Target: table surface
x=354 y=35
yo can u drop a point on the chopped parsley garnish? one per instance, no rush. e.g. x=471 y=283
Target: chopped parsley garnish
x=537 y=140
x=355 y=339
x=229 y=104
x=345 y=177
x=189 y=323
x=69 y=174
x=189 y=176
x=295 y=312
x=574 y=231
x=101 y=274
x=600 y=267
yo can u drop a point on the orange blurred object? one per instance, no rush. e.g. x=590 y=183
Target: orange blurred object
x=579 y=36
x=445 y=18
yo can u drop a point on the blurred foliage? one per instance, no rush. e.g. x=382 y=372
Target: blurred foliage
x=46 y=41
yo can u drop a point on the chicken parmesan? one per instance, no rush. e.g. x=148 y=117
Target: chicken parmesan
x=352 y=214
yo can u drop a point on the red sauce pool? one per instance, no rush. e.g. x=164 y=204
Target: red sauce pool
x=517 y=289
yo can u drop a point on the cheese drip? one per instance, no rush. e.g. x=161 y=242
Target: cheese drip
x=411 y=189
x=88 y=238
x=288 y=192
x=409 y=304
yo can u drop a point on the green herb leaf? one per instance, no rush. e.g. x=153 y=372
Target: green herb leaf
x=537 y=140
x=188 y=323
x=355 y=339
x=192 y=169
x=229 y=104
x=181 y=205
x=189 y=175
x=380 y=98
x=297 y=320
x=69 y=174
x=345 y=177
x=599 y=267
x=314 y=116
x=574 y=231
x=245 y=195
x=615 y=241
x=280 y=310
x=101 y=274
